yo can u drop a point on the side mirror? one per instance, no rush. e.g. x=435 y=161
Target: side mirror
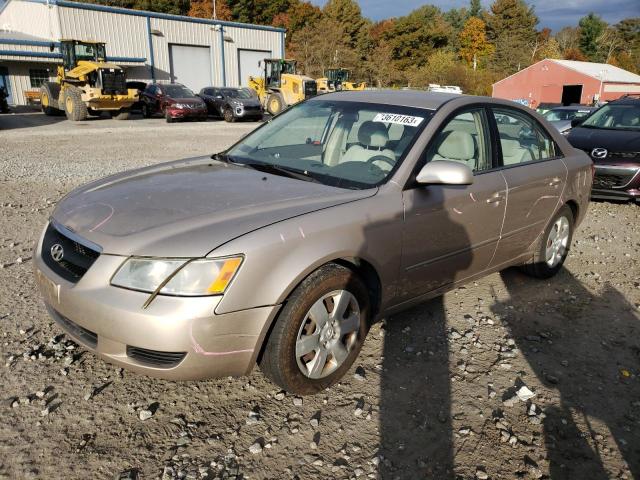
x=445 y=172
x=576 y=121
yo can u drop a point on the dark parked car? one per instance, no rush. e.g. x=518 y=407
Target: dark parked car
x=611 y=137
x=232 y=103
x=561 y=117
x=174 y=101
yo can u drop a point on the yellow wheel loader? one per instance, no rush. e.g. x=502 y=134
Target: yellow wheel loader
x=86 y=84
x=337 y=79
x=280 y=86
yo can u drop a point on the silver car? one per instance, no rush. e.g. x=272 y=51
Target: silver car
x=282 y=250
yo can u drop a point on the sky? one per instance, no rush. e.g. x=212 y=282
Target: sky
x=554 y=14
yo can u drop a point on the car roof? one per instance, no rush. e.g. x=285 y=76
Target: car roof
x=404 y=98
x=574 y=107
x=627 y=100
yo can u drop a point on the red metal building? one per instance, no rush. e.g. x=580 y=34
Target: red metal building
x=567 y=82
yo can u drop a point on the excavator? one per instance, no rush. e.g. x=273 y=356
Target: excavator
x=337 y=79
x=86 y=84
x=280 y=86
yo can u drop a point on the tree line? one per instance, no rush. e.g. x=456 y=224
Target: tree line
x=470 y=46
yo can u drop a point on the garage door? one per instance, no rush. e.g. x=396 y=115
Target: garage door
x=191 y=66
x=248 y=64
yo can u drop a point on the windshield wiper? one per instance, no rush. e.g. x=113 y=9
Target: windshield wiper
x=223 y=157
x=282 y=171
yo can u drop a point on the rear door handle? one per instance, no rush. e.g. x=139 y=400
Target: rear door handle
x=554 y=182
x=495 y=198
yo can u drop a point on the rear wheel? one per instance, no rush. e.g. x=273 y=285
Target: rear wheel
x=275 y=103
x=228 y=115
x=122 y=114
x=553 y=247
x=74 y=107
x=319 y=332
x=146 y=112
x=49 y=93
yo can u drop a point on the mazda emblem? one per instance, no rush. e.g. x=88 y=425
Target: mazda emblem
x=599 y=153
x=57 y=252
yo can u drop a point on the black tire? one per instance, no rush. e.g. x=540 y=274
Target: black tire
x=279 y=362
x=538 y=266
x=275 y=103
x=228 y=115
x=122 y=114
x=146 y=112
x=74 y=107
x=49 y=93
x=169 y=118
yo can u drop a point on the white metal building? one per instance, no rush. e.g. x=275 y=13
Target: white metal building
x=151 y=46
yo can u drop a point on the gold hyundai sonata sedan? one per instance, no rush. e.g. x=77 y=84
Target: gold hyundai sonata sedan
x=282 y=250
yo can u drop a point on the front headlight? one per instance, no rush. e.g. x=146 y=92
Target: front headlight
x=203 y=276
x=179 y=105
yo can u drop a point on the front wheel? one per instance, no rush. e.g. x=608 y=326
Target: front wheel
x=319 y=332
x=146 y=112
x=553 y=246
x=228 y=115
x=169 y=118
x=275 y=103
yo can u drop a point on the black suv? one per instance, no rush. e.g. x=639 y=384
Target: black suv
x=611 y=137
x=232 y=103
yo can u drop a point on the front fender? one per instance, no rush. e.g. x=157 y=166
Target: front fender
x=280 y=256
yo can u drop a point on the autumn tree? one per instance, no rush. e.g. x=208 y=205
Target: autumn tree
x=474 y=45
x=204 y=9
x=568 y=38
x=511 y=28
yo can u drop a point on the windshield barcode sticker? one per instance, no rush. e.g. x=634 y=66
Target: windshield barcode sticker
x=399 y=119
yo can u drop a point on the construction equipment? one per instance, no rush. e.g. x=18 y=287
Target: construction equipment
x=337 y=79
x=280 y=86
x=86 y=84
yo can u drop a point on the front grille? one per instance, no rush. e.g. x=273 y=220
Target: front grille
x=155 y=358
x=310 y=88
x=73 y=259
x=114 y=82
x=87 y=337
x=610 y=180
x=252 y=108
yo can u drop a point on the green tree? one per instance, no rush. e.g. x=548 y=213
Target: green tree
x=475 y=8
x=511 y=27
x=348 y=15
x=415 y=36
x=591 y=29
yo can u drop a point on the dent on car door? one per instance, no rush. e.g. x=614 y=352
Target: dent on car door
x=451 y=232
x=535 y=178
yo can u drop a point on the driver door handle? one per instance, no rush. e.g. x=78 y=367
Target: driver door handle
x=495 y=198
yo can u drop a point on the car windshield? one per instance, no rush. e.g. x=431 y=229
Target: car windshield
x=560 y=115
x=344 y=144
x=236 y=93
x=177 y=91
x=615 y=116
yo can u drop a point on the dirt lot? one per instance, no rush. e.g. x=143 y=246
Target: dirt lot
x=432 y=396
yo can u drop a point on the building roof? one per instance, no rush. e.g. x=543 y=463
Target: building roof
x=600 y=71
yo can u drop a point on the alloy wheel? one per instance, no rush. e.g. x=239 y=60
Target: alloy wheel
x=557 y=242
x=327 y=334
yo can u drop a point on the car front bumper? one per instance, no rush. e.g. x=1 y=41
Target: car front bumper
x=187 y=113
x=614 y=182
x=176 y=338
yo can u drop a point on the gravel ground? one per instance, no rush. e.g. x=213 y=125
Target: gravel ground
x=504 y=378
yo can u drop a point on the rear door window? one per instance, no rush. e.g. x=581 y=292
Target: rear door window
x=522 y=139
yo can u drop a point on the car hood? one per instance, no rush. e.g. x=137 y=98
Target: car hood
x=189 y=207
x=613 y=140
x=561 y=125
x=247 y=102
